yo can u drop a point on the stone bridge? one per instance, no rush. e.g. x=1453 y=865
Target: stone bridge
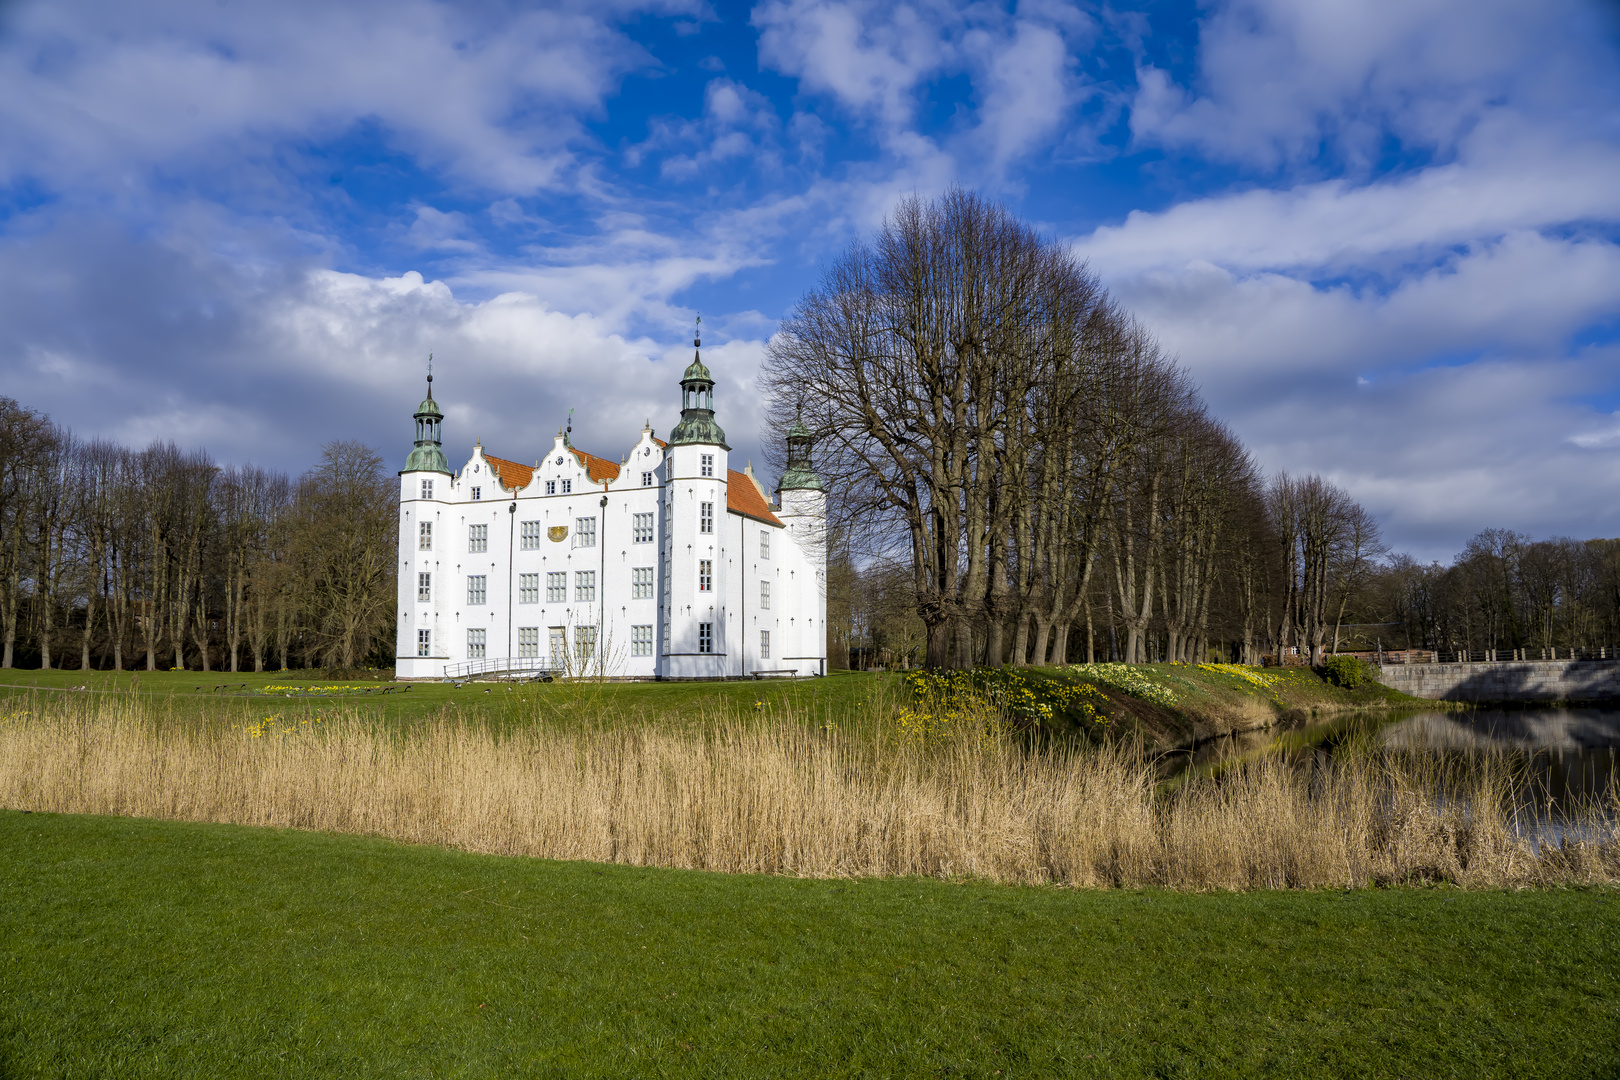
x=1507 y=680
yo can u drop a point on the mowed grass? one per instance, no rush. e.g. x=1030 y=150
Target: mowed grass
x=834 y=699
x=141 y=948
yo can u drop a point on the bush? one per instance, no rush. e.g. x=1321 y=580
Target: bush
x=1348 y=672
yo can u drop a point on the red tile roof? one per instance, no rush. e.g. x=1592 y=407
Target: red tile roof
x=742 y=497
x=600 y=470
x=513 y=475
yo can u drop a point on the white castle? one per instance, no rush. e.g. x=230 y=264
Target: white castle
x=670 y=565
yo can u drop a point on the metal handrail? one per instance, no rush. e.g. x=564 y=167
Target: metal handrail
x=1530 y=654
x=503 y=665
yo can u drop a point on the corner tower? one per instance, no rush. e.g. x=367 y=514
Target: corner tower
x=696 y=640
x=802 y=497
x=424 y=487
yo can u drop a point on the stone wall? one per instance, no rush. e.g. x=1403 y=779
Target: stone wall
x=1542 y=680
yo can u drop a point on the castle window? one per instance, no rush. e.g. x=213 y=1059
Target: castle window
x=706 y=637
x=528 y=588
x=424 y=536
x=706 y=517
x=584 y=642
x=647 y=481
x=478 y=493
x=568 y=485
x=585 y=532
x=707 y=465
x=427 y=489
x=528 y=641
x=641 y=641
x=641 y=583
x=557 y=587
x=559 y=643
x=643 y=528
x=765 y=644
x=424 y=643
x=551 y=487
x=764 y=543
x=531 y=535
x=765 y=596
x=584 y=585
x=705 y=575
x=475 y=644
x=477 y=538
x=475 y=590
x=424 y=589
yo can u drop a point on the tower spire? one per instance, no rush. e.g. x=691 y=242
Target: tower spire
x=428 y=455
x=697 y=401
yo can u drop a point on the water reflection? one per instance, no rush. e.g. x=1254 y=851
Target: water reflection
x=1570 y=757
x=1571 y=754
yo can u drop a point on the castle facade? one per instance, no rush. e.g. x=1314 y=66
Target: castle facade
x=668 y=565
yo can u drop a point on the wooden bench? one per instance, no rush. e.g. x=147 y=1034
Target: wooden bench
x=777 y=673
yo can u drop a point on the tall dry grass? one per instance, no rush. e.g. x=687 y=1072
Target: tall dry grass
x=773 y=795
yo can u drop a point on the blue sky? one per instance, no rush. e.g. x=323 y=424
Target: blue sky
x=1383 y=236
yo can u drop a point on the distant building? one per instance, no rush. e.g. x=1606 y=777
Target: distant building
x=668 y=565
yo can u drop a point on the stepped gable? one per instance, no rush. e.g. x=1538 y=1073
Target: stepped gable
x=742 y=497
x=512 y=475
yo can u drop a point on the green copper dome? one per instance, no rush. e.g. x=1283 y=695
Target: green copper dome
x=697 y=424
x=703 y=429
x=427 y=456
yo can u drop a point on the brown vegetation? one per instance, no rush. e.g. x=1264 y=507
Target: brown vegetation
x=111 y=557
x=773 y=795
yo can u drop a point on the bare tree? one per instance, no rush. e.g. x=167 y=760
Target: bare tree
x=343 y=543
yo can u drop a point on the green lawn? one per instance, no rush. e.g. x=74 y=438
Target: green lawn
x=140 y=948
x=837 y=698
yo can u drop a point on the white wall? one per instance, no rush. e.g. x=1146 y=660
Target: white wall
x=798 y=604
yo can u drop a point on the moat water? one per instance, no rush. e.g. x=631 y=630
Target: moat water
x=1568 y=759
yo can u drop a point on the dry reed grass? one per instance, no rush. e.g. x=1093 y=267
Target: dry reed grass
x=769 y=794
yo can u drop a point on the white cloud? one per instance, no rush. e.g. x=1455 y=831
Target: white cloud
x=878 y=60
x=1541 y=183
x=165 y=340
x=1278 y=79
x=88 y=90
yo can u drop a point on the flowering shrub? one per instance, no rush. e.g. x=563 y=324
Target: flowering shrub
x=1002 y=699
x=1247 y=674
x=1127 y=677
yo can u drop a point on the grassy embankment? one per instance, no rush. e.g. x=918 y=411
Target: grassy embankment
x=768 y=786
x=1207 y=703
x=294 y=695
x=136 y=947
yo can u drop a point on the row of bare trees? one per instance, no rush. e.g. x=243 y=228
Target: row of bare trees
x=995 y=427
x=1504 y=591
x=121 y=558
